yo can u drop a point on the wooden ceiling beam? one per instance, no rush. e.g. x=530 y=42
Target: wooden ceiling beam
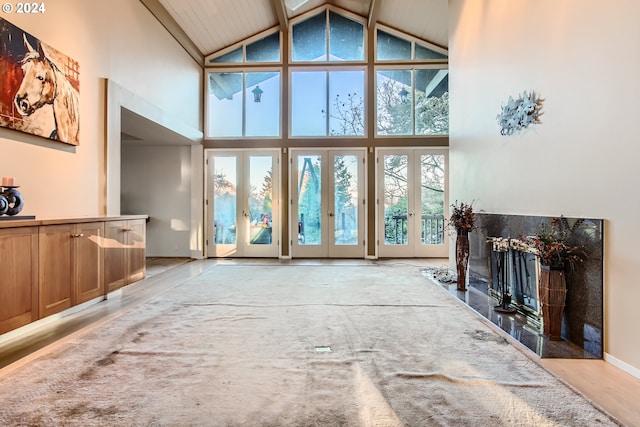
x=281 y=12
x=174 y=29
x=374 y=8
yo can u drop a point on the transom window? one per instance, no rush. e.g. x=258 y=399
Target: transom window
x=327 y=80
x=390 y=47
x=263 y=48
x=327 y=37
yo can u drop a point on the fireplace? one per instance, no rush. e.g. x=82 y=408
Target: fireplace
x=515 y=269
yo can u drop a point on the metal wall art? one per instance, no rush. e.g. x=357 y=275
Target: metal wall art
x=519 y=113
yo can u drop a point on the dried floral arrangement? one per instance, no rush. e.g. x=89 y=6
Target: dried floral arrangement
x=552 y=247
x=462 y=218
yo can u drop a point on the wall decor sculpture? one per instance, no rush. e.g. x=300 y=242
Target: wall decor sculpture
x=39 y=87
x=519 y=113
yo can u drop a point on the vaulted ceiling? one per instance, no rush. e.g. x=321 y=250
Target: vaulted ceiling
x=203 y=27
x=207 y=26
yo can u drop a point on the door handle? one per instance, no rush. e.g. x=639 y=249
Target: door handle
x=330 y=213
x=411 y=213
x=245 y=214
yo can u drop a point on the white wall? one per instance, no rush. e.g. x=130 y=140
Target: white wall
x=157 y=182
x=117 y=40
x=582 y=160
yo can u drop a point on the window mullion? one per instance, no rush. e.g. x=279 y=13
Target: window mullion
x=327 y=36
x=413 y=101
x=328 y=103
x=244 y=103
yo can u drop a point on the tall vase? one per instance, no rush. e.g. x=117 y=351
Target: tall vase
x=552 y=294
x=462 y=259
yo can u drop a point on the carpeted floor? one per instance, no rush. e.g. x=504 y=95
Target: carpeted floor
x=291 y=345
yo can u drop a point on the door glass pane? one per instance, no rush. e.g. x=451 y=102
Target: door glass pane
x=260 y=199
x=432 y=197
x=395 y=199
x=309 y=200
x=346 y=199
x=225 y=178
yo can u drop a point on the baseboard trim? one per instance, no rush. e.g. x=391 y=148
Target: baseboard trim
x=29 y=328
x=631 y=370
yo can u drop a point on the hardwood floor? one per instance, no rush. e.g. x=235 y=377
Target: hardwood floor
x=611 y=388
x=614 y=390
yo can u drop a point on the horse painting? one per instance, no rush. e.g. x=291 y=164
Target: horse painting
x=43 y=83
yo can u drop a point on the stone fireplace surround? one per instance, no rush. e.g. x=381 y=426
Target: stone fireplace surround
x=583 y=318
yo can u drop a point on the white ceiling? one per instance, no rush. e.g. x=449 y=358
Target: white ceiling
x=215 y=24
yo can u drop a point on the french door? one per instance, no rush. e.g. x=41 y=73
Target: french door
x=327 y=203
x=412 y=202
x=242 y=203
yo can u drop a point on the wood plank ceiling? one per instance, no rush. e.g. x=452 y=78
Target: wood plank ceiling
x=211 y=25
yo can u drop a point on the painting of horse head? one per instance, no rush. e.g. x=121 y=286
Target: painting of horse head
x=44 y=95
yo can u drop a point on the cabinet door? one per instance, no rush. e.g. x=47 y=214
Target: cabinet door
x=114 y=255
x=19 y=278
x=136 y=250
x=55 y=268
x=88 y=253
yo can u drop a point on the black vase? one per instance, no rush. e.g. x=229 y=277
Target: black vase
x=11 y=201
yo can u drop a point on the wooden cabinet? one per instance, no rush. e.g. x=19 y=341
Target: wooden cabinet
x=124 y=256
x=70 y=265
x=19 y=278
x=51 y=265
x=88 y=240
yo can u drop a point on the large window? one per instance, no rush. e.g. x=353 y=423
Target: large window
x=327 y=103
x=244 y=104
x=327 y=88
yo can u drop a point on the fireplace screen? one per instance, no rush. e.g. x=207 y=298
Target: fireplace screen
x=516 y=271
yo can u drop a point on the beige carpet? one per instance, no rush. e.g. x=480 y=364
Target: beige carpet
x=271 y=345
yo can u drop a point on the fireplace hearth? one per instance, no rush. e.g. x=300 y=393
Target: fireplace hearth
x=496 y=265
